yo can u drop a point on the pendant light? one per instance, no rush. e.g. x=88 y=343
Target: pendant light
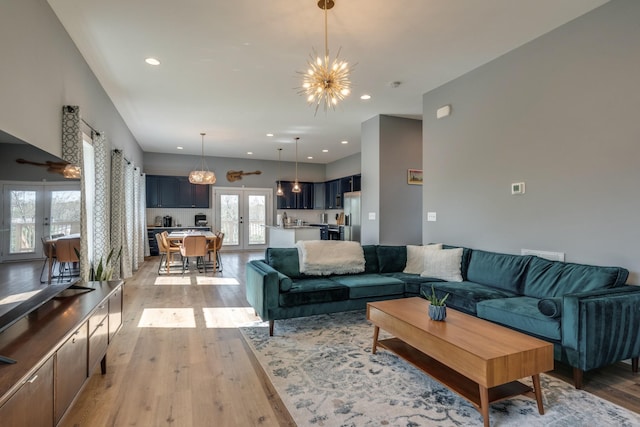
x=202 y=176
x=296 y=185
x=279 y=191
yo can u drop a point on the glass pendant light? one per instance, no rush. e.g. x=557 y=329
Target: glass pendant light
x=279 y=191
x=202 y=176
x=296 y=185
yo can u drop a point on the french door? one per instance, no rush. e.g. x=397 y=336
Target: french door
x=242 y=215
x=33 y=211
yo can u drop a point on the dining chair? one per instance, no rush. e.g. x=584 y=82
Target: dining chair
x=49 y=252
x=166 y=252
x=218 y=246
x=67 y=256
x=194 y=246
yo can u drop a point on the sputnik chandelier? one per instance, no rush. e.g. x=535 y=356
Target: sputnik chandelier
x=325 y=82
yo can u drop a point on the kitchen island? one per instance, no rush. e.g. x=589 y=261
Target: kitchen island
x=286 y=237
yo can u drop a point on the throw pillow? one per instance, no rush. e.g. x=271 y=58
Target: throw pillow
x=550 y=307
x=415 y=257
x=444 y=264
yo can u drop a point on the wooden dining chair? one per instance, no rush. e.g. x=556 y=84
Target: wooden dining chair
x=67 y=254
x=218 y=241
x=194 y=246
x=166 y=252
x=49 y=252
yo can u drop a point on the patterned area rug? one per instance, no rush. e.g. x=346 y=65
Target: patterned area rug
x=324 y=371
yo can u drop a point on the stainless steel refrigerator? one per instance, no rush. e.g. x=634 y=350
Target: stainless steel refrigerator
x=352 y=216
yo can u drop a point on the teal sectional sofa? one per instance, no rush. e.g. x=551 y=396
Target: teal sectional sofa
x=588 y=312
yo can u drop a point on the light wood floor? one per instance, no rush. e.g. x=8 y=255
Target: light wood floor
x=180 y=360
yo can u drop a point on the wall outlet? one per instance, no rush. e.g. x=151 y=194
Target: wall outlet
x=431 y=216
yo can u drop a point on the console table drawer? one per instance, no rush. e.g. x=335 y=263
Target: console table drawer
x=98 y=316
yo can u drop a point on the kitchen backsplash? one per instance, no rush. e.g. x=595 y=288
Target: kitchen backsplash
x=181 y=217
x=311 y=216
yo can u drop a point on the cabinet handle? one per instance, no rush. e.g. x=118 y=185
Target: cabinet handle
x=32 y=379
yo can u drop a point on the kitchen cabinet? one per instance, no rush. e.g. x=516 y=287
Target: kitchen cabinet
x=319 y=201
x=333 y=194
x=302 y=200
x=175 y=192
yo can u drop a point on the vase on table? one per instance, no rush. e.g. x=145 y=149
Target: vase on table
x=437 y=312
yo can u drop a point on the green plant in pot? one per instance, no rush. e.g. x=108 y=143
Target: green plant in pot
x=437 y=308
x=104 y=271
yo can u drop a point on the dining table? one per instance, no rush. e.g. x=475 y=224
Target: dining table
x=178 y=237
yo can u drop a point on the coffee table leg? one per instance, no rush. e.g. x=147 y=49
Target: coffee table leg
x=484 y=404
x=376 y=331
x=538 y=391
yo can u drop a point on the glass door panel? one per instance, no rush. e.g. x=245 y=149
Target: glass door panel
x=23 y=205
x=242 y=214
x=64 y=212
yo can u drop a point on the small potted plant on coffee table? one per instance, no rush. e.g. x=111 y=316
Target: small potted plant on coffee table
x=437 y=307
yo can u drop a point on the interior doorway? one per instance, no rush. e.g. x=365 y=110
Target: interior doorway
x=242 y=214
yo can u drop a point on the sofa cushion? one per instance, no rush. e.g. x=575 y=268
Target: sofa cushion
x=313 y=291
x=550 y=307
x=391 y=258
x=285 y=260
x=464 y=296
x=444 y=264
x=370 y=285
x=521 y=313
x=415 y=257
x=498 y=270
x=370 y=259
x=412 y=282
x=466 y=256
x=547 y=278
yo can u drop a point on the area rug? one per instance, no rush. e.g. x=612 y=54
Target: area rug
x=325 y=374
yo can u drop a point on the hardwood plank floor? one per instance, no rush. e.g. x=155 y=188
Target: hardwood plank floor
x=180 y=360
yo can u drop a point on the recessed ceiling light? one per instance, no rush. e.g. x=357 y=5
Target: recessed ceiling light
x=152 y=61
x=309 y=157
x=269 y=134
x=325 y=151
x=365 y=97
x=344 y=142
x=249 y=152
x=180 y=148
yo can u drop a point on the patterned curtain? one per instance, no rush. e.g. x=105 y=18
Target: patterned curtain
x=101 y=233
x=72 y=153
x=117 y=207
x=129 y=248
x=136 y=220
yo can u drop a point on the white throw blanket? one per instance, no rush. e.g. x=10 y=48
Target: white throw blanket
x=325 y=257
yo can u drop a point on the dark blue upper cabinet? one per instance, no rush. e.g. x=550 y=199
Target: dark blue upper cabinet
x=175 y=192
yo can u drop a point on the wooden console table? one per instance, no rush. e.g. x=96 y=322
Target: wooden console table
x=56 y=348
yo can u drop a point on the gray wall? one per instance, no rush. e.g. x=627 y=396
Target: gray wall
x=344 y=167
x=180 y=165
x=41 y=71
x=560 y=114
x=390 y=146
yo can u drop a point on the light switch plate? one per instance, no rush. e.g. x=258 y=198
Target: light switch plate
x=431 y=216
x=372 y=216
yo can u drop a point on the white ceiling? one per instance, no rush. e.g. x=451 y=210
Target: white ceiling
x=229 y=68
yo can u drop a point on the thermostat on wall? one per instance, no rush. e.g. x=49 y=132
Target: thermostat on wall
x=517 y=188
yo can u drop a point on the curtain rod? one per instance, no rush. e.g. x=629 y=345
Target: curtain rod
x=117 y=150
x=90 y=127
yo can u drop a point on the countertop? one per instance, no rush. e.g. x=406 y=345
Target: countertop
x=293 y=227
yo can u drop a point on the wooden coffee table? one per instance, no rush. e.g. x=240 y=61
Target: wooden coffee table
x=477 y=359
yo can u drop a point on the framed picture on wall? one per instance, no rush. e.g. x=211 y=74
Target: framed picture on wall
x=414 y=176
